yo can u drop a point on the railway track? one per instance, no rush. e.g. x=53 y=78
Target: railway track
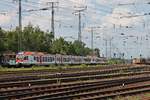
x=50 y=89
x=83 y=85
x=62 y=79
x=47 y=75
x=68 y=91
x=83 y=78
x=48 y=71
x=128 y=89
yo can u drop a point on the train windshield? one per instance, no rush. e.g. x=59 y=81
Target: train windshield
x=19 y=57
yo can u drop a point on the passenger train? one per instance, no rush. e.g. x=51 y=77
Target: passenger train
x=45 y=59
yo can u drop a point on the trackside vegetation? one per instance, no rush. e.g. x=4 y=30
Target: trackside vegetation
x=114 y=61
x=49 y=68
x=145 y=96
x=34 y=39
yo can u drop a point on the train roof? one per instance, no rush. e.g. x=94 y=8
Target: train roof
x=30 y=53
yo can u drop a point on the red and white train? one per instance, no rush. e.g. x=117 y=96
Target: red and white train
x=40 y=58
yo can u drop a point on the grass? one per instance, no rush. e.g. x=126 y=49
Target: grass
x=145 y=96
x=21 y=69
x=50 y=68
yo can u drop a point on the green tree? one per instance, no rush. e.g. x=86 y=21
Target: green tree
x=36 y=40
x=12 y=40
x=60 y=46
x=80 y=48
x=2 y=40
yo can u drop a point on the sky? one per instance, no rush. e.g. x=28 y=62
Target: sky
x=119 y=25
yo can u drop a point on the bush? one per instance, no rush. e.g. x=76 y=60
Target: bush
x=115 y=61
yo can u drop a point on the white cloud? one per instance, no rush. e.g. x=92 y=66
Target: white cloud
x=118 y=17
x=5 y=19
x=36 y=20
x=116 y=2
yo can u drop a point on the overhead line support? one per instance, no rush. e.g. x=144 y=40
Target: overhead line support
x=78 y=12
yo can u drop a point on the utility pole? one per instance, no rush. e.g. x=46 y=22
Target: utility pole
x=110 y=48
x=92 y=38
x=106 y=48
x=79 y=33
x=52 y=4
x=110 y=43
x=92 y=29
x=19 y=25
x=20 y=28
x=52 y=20
x=79 y=12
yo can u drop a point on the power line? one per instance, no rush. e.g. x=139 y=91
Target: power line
x=6 y=3
x=52 y=6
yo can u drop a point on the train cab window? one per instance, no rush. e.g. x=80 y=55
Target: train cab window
x=35 y=58
x=26 y=58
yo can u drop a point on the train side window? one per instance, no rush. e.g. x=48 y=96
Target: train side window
x=46 y=58
x=50 y=58
x=58 y=59
x=43 y=59
x=38 y=59
x=53 y=59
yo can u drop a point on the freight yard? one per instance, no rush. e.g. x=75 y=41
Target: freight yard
x=74 y=50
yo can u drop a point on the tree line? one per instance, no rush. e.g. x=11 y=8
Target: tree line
x=34 y=39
